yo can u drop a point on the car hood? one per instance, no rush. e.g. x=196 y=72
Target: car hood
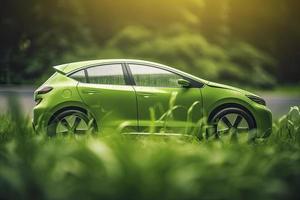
x=222 y=86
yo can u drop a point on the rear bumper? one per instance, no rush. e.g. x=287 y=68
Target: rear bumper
x=33 y=126
x=39 y=119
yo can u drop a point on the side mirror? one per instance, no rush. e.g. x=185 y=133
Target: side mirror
x=183 y=83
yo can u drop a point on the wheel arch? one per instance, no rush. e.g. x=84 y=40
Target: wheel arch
x=78 y=106
x=230 y=105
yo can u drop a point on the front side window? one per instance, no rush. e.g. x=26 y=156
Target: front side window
x=79 y=76
x=106 y=74
x=154 y=77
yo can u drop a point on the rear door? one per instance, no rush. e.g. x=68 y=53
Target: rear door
x=163 y=105
x=110 y=96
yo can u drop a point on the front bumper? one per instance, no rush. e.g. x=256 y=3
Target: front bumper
x=263 y=117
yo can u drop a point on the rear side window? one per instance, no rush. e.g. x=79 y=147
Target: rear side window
x=79 y=76
x=154 y=77
x=106 y=74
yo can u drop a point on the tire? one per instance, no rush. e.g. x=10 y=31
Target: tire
x=70 y=122
x=232 y=121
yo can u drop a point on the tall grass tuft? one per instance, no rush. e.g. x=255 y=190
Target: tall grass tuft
x=113 y=166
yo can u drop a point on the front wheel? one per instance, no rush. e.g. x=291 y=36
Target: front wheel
x=70 y=122
x=232 y=122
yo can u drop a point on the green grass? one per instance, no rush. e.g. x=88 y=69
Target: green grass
x=112 y=166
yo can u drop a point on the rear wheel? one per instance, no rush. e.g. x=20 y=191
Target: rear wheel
x=70 y=122
x=232 y=122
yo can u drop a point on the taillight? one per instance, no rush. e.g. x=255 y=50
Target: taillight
x=45 y=90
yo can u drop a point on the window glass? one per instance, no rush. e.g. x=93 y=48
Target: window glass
x=154 y=77
x=79 y=76
x=106 y=74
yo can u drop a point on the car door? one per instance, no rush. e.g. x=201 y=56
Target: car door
x=109 y=96
x=163 y=105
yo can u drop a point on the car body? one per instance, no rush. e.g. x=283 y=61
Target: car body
x=136 y=96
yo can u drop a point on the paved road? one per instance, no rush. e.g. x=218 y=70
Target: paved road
x=279 y=104
x=24 y=95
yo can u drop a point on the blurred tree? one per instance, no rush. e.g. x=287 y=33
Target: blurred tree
x=215 y=19
x=34 y=33
x=240 y=35
x=106 y=17
x=192 y=52
x=274 y=26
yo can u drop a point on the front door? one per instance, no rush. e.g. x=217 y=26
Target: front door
x=110 y=97
x=163 y=105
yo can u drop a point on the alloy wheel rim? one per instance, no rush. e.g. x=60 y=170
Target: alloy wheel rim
x=72 y=124
x=232 y=123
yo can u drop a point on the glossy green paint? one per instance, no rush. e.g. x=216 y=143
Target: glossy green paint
x=111 y=104
x=154 y=106
x=216 y=95
x=140 y=109
x=64 y=94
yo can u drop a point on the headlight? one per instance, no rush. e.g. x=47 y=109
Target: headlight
x=257 y=99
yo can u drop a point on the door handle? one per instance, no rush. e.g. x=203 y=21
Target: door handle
x=145 y=95
x=90 y=91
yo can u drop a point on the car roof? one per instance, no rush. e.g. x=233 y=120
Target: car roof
x=74 y=66
x=69 y=67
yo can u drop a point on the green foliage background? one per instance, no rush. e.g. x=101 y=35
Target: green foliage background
x=251 y=42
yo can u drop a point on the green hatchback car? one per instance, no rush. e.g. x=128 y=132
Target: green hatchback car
x=141 y=97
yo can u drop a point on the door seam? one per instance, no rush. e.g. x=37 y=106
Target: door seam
x=131 y=82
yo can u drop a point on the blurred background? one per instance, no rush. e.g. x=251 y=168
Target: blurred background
x=251 y=43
